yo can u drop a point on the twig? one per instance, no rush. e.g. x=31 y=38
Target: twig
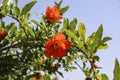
x=79 y=67
x=20 y=24
x=17 y=45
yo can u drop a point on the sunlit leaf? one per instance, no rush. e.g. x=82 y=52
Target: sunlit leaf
x=13 y=31
x=116 y=70
x=82 y=31
x=16 y=3
x=66 y=23
x=102 y=46
x=59 y=4
x=99 y=77
x=90 y=39
x=31 y=32
x=16 y=11
x=4 y=2
x=72 y=35
x=97 y=39
x=2 y=23
x=63 y=10
x=37 y=23
x=27 y=7
x=73 y=24
x=104 y=77
x=105 y=39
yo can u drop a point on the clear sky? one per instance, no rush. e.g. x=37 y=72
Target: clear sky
x=92 y=13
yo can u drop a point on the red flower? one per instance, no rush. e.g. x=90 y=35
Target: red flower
x=53 y=13
x=36 y=78
x=3 y=33
x=57 y=46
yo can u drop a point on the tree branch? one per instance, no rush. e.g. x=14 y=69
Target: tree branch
x=80 y=67
x=17 y=45
x=20 y=24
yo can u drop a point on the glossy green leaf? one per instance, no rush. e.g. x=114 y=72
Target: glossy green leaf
x=116 y=70
x=73 y=24
x=66 y=23
x=63 y=10
x=27 y=7
x=82 y=31
x=104 y=77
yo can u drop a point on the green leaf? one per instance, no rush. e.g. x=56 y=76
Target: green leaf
x=66 y=23
x=2 y=24
x=4 y=2
x=82 y=31
x=102 y=46
x=73 y=24
x=13 y=31
x=63 y=10
x=59 y=4
x=97 y=40
x=72 y=35
x=16 y=3
x=44 y=19
x=27 y=7
x=61 y=74
x=105 y=39
x=116 y=70
x=96 y=58
x=37 y=23
x=30 y=30
x=104 y=77
x=90 y=39
x=16 y=11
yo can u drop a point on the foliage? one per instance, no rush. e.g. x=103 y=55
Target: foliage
x=22 y=49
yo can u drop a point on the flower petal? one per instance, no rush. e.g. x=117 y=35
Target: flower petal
x=48 y=48
x=67 y=44
x=59 y=36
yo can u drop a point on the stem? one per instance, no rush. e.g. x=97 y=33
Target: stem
x=20 y=24
x=17 y=45
x=80 y=50
x=93 y=70
x=85 y=53
x=80 y=67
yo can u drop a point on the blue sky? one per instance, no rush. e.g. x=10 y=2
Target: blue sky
x=92 y=13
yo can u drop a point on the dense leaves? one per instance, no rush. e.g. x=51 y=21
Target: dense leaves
x=25 y=44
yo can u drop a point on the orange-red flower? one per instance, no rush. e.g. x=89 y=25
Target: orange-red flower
x=36 y=78
x=3 y=33
x=57 y=46
x=53 y=14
